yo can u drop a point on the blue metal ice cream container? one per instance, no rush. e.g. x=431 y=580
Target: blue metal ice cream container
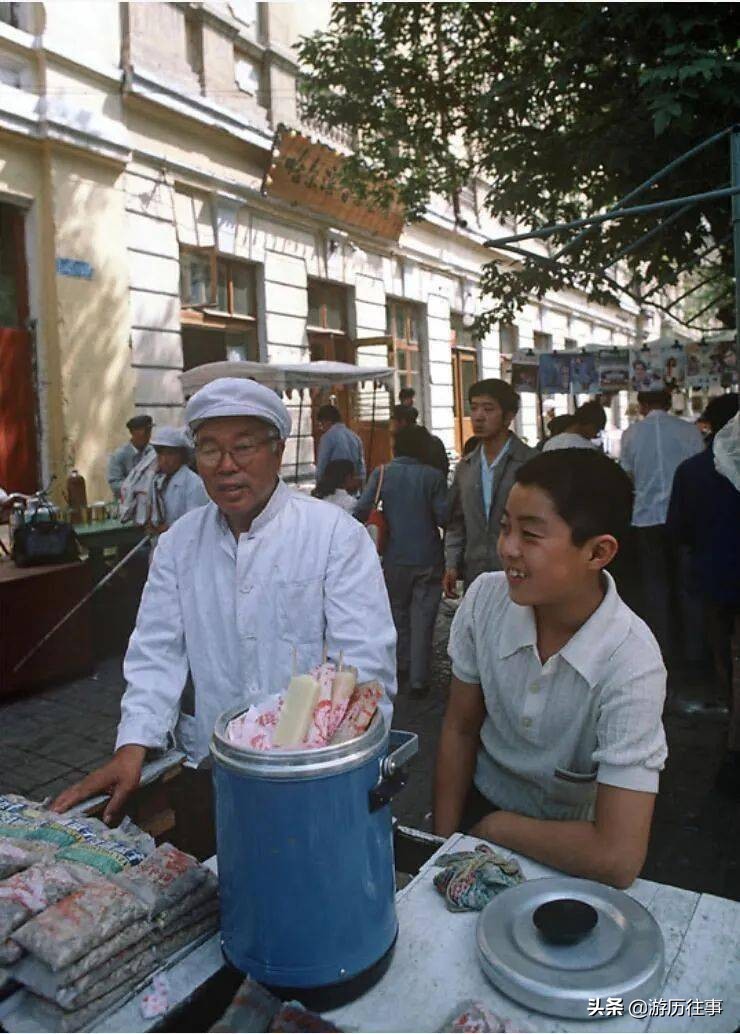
x=305 y=856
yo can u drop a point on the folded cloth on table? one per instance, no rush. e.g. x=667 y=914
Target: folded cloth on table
x=165 y=877
x=470 y=879
x=31 y=891
x=84 y=919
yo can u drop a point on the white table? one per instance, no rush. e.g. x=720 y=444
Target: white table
x=435 y=966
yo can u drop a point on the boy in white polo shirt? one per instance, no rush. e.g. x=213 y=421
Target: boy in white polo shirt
x=553 y=741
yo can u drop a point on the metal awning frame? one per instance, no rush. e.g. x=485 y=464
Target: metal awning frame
x=625 y=210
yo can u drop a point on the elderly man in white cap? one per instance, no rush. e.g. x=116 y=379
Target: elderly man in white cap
x=261 y=579
x=175 y=488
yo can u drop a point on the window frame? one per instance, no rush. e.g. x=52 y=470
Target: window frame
x=409 y=346
x=325 y=287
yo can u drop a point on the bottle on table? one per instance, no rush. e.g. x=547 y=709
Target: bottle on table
x=76 y=496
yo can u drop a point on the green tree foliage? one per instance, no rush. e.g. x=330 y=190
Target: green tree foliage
x=562 y=108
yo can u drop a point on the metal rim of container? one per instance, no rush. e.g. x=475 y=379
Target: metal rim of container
x=298 y=764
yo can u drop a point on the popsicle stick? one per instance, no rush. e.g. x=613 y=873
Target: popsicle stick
x=341 y=660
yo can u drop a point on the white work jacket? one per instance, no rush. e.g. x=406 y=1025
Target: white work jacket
x=230 y=614
x=183 y=492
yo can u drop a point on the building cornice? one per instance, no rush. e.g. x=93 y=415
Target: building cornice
x=142 y=83
x=43 y=119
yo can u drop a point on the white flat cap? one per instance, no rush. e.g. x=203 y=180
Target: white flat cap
x=171 y=437
x=237 y=396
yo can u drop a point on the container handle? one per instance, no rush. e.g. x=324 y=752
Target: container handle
x=393 y=771
x=404 y=745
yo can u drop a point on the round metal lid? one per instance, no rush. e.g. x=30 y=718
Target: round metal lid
x=618 y=956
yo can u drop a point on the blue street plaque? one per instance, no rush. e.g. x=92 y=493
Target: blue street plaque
x=74 y=267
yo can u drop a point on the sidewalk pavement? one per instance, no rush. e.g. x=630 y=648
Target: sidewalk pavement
x=55 y=737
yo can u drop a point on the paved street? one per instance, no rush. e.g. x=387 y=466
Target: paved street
x=54 y=737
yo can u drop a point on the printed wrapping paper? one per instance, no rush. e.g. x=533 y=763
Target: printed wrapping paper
x=336 y=719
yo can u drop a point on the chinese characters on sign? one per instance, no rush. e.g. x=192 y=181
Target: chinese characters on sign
x=655 y=1007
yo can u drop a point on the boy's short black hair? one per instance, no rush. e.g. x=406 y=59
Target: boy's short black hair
x=412 y=441
x=407 y=393
x=496 y=389
x=590 y=491
x=329 y=413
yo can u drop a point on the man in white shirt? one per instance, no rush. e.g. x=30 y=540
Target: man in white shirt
x=552 y=742
x=651 y=450
x=240 y=591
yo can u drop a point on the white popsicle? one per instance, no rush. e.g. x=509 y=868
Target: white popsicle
x=342 y=688
x=298 y=707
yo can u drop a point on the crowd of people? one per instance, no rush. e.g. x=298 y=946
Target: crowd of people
x=553 y=740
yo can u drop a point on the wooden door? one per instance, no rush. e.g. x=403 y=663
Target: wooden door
x=334 y=348
x=464 y=374
x=18 y=454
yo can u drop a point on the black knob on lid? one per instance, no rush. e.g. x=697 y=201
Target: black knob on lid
x=565 y=920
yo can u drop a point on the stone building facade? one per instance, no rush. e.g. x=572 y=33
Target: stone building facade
x=136 y=142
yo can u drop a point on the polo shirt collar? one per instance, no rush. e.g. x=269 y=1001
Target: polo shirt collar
x=596 y=641
x=593 y=643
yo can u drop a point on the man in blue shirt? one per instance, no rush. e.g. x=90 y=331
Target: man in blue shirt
x=337 y=443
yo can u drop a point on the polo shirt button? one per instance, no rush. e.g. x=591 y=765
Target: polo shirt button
x=245 y=588
x=534 y=688
x=526 y=722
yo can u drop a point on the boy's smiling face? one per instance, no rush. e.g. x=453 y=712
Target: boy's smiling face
x=542 y=563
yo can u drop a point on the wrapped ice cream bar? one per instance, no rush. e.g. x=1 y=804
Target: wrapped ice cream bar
x=295 y=718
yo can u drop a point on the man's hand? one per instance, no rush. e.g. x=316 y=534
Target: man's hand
x=449 y=583
x=119 y=778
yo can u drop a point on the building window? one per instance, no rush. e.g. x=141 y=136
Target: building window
x=570 y=344
x=236 y=292
x=509 y=338
x=247 y=74
x=219 y=308
x=542 y=342
x=327 y=306
x=402 y=323
x=11 y=14
x=196 y=277
x=194 y=47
